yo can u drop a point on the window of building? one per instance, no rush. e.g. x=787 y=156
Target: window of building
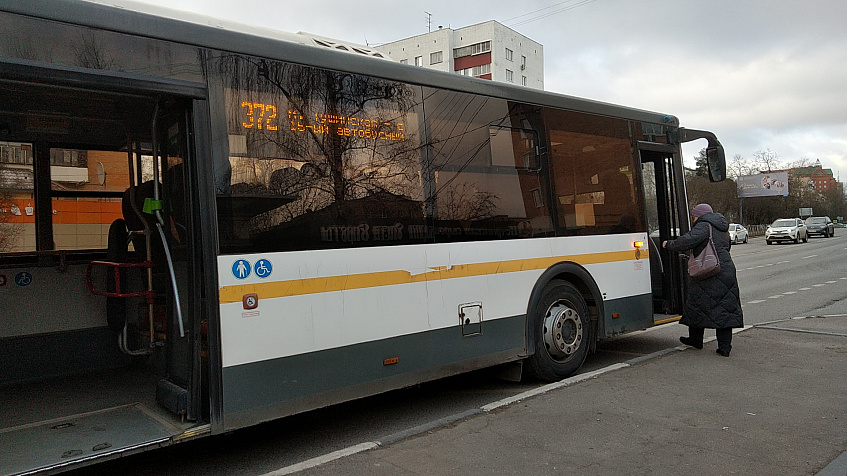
x=509 y=54
x=510 y=75
x=418 y=60
x=523 y=63
x=523 y=80
x=15 y=153
x=404 y=61
x=475 y=49
x=437 y=57
x=476 y=70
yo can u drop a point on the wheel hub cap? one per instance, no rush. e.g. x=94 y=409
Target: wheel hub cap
x=562 y=331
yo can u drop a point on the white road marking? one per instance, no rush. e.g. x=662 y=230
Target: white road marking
x=552 y=386
x=775 y=297
x=757 y=301
x=790 y=292
x=818 y=285
x=311 y=463
x=831 y=282
x=807 y=257
x=804 y=289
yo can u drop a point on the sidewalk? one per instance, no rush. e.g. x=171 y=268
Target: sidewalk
x=776 y=406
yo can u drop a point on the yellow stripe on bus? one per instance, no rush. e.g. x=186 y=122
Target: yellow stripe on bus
x=299 y=287
x=665 y=321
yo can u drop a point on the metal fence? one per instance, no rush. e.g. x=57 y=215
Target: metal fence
x=756 y=230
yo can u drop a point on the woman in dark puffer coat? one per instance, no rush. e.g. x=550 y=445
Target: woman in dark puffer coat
x=714 y=302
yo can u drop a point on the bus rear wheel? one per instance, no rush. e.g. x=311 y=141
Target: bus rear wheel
x=562 y=332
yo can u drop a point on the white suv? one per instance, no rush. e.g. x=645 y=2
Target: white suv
x=787 y=229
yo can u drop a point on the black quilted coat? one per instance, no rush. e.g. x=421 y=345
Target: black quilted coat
x=712 y=302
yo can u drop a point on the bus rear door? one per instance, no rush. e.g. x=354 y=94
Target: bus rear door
x=100 y=347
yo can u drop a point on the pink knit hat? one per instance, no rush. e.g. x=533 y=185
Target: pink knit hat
x=701 y=210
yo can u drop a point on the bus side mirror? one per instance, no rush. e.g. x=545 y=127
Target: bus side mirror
x=717 y=163
x=715 y=158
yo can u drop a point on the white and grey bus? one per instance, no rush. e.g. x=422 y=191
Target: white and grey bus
x=204 y=227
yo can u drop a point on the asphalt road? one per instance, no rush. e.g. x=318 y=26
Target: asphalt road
x=776 y=281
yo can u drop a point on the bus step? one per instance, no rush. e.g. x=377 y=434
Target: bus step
x=172 y=397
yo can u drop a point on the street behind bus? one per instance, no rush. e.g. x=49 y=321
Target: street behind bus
x=775 y=406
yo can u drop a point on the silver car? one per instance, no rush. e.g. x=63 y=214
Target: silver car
x=737 y=233
x=786 y=229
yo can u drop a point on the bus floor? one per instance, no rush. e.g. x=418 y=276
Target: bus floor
x=56 y=421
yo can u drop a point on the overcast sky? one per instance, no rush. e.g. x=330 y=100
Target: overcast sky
x=766 y=74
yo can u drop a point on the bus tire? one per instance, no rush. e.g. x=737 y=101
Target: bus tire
x=562 y=332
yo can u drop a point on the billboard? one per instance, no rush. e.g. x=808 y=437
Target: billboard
x=763 y=185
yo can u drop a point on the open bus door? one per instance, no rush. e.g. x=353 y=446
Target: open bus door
x=663 y=198
x=100 y=348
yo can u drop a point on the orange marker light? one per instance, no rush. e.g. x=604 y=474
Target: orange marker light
x=391 y=361
x=638 y=244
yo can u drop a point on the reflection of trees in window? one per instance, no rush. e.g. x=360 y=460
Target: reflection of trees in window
x=53 y=42
x=91 y=53
x=482 y=164
x=460 y=153
x=463 y=201
x=319 y=136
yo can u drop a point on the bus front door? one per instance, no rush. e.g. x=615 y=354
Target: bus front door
x=663 y=196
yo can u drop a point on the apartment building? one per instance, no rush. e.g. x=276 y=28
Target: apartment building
x=488 y=50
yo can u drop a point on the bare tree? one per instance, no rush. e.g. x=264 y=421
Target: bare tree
x=766 y=160
x=739 y=166
x=801 y=162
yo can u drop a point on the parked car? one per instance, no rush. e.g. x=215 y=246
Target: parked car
x=820 y=226
x=786 y=229
x=737 y=233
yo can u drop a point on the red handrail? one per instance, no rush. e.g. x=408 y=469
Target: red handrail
x=148 y=295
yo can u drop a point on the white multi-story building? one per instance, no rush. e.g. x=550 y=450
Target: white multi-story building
x=486 y=50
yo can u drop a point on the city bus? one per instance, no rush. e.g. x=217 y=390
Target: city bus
x=205 y=226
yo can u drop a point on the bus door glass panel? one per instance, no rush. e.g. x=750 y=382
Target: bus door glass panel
x=17 y=199
x=317 y=159
x=661 y=211
x=482 y=178
x=651 y=210
x=591 y=167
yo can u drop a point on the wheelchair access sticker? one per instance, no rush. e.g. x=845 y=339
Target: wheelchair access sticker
x=263 y=268
x=23 y=279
